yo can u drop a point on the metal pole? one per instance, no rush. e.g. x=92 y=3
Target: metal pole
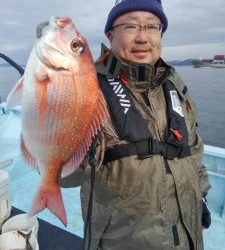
x=13 y=63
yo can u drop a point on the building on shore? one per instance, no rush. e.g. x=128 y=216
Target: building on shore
x=217 y=62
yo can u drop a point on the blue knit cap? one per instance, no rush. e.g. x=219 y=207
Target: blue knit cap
x=123 y=6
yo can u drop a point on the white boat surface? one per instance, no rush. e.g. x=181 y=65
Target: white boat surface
x=24 y=182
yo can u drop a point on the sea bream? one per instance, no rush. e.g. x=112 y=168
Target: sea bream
x=62 y=108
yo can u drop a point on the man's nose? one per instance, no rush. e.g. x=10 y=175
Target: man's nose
x=142 y=36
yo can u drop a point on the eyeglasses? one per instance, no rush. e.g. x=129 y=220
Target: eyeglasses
x=132 y=29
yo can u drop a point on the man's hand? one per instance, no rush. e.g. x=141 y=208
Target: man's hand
x=206 y=216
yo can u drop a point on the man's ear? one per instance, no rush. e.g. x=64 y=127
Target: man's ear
x=110 y=36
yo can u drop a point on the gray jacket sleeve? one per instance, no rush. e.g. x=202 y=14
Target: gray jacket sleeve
x=195 y=141
x=197 y=149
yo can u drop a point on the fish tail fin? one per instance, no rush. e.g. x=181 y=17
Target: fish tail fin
x=51 y=199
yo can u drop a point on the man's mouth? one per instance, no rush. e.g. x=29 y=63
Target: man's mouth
x=140 y=52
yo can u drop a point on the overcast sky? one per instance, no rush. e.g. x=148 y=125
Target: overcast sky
x=196 y=27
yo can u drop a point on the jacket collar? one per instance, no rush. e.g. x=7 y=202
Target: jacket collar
x=138 y=75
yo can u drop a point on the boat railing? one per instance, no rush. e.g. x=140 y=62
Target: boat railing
x=214 y=160
x=12 y=63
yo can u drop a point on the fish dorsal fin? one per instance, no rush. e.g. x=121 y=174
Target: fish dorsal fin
x=99 y=118
x=15 y=95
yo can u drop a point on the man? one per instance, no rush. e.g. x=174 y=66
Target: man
x=149 y=180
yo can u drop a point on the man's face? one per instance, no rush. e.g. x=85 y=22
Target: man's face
x=142 y=46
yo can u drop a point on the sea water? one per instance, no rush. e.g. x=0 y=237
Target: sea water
x=206 y=86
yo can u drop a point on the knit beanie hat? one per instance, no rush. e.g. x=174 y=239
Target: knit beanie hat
x=123 y=6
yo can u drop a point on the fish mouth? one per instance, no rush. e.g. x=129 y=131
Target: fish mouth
x=62 y=21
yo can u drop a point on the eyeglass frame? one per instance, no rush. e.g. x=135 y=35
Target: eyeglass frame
x=141 y=27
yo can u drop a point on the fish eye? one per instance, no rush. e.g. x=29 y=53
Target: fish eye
x=77 y=46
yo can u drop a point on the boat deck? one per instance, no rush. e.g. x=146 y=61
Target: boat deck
x=24 y=182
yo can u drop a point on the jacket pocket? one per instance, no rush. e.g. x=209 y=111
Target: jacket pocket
x=101 y=216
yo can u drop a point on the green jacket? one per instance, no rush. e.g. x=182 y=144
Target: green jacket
x=137 y=204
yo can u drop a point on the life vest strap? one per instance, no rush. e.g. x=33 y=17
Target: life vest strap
x=145 y=149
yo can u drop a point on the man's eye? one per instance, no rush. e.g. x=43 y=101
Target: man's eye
x=152 y=27
x=130 y=27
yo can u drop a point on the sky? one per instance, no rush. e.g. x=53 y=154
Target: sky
x=196 y=27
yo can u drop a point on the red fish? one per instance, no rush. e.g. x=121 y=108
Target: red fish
x=62 y=108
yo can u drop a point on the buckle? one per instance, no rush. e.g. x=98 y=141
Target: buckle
x=148 y=147
x=144 y=148
x=168 y=152
x=173 y=151
x=185 y=151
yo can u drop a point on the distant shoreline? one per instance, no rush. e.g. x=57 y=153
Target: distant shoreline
x=6 y=65
x=185 y=62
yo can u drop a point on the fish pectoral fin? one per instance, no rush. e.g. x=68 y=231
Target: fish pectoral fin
x=42 y=78
x=49 y=197
x=42 y=81
x=26 y=154
x=41 y=75
x=15 y=95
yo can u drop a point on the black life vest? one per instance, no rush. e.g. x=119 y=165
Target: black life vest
x=132 y=127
